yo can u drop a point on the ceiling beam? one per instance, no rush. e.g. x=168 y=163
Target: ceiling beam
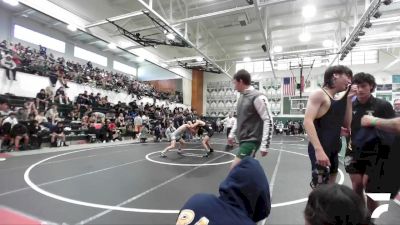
x=187 y=41
x=115 y=18
x=266 y=40
x=161 y=8
x=212 y=14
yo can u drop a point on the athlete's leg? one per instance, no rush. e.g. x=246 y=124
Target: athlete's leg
x=204 y=143
x=357 y=184
x=173 y=142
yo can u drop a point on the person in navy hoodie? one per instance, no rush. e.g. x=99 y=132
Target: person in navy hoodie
x=244 y=199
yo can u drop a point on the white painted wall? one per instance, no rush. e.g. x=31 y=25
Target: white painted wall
x=28 y=85
x=187 y=91
x=151 y=72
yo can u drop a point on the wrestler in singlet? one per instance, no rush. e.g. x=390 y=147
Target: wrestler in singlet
x=328 y=129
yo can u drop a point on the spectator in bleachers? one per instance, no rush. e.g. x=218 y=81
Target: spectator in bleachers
x=42 y=100
x=113 y=132
x=92 y=99
x=121 y=120
x=52 y=114
x=61 y=74
x=170 y=130
x=22 y=114
x=145 y=120
x=41 y=119
x=35 y=136
x=74 y=114
x=138 y=122
x=61 y=97
x=4 y=105
x=12 y=119
x=82 y=103
x=157 y=132
x=57 y=133
x=39 y=62
x=130 y=131
x=19 y=132
x=141 y=107
x=9 y=65
x=49 y=94
x=85 y=122
x=144 y=134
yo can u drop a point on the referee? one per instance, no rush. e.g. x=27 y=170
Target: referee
x=254 y=119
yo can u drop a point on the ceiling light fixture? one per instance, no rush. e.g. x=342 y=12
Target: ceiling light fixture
x=246 y=59
x=199 y=59
x=305 y=37
x=278 y=48
x=11 y=2
x=72 y=27
x=309 y=11
x=112 y=46
x=356 y=39
x=170 y=36
x=368 y=24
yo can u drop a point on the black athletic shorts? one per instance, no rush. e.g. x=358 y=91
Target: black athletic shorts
x=354 y=165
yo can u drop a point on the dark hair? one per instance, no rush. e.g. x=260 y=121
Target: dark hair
x=360 y=78
x=339 y=69
x=4 y=101
x=335 y=204
x=243 y=75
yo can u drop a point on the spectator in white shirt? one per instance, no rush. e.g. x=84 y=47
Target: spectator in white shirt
x=138 y=122
x=12 y=119
x=229 y=122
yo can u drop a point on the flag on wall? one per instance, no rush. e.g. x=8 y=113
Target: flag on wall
x=289 y=86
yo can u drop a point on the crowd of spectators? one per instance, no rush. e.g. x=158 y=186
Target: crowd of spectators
x=16 y=57
x=91 y=116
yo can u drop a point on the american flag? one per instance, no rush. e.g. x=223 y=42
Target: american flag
x=289 y=86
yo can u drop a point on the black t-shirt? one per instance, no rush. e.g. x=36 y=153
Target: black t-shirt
x=374 y=106
x=41 y=96
x=57 y=129
x=60 y=92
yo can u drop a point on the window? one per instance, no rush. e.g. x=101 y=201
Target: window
x=267 y=66
x=124 y=68
x=90 y=56
x=36 y=38
x=249 y=67
x=259 y=66
x=239 y=66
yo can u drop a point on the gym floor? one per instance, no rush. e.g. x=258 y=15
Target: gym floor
x=126 y=183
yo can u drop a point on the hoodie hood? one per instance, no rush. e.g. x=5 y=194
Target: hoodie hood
x=246 y=188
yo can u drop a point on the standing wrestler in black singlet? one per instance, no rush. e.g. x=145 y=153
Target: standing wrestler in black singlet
x=205 y=129
x=325 y=115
